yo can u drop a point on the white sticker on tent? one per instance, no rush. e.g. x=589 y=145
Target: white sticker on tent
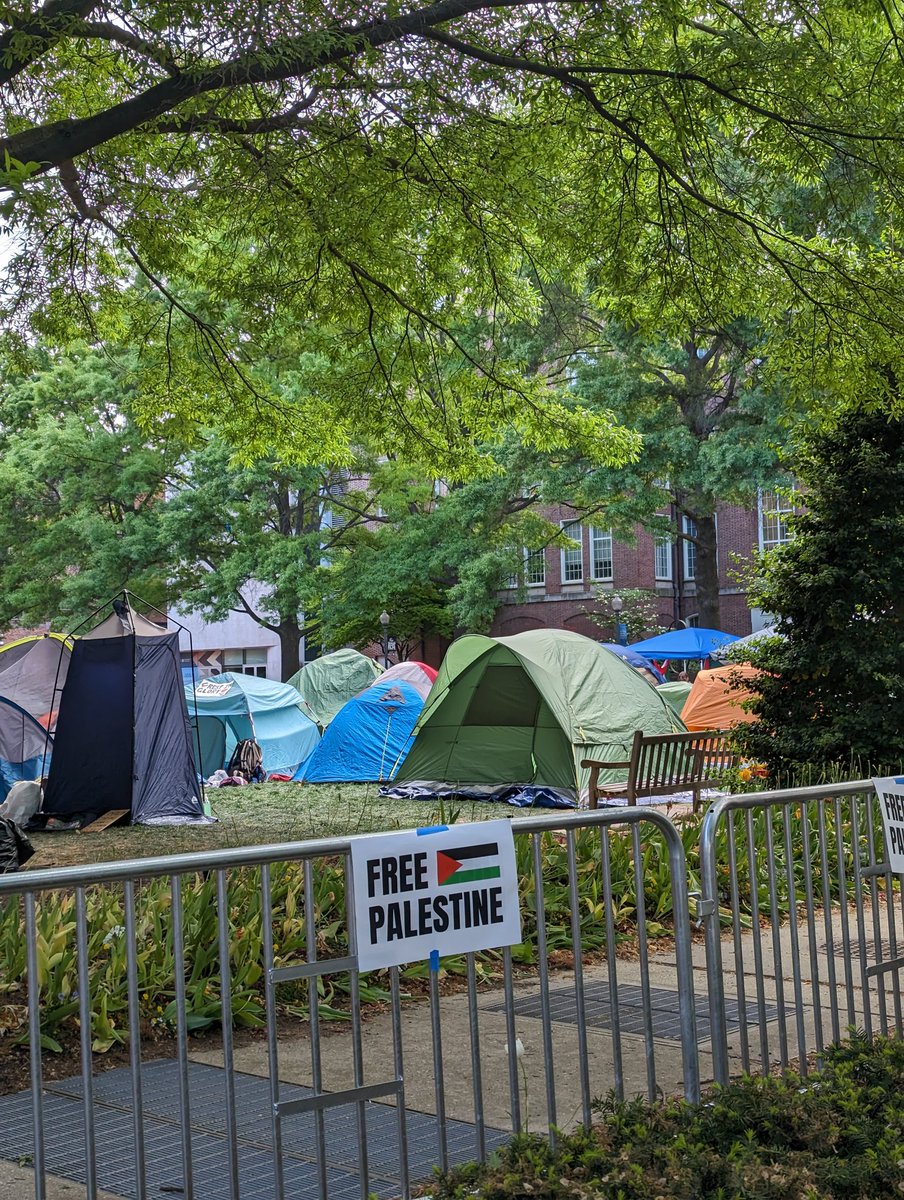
x=891 y=800
x=434 y=891
x=207 y=688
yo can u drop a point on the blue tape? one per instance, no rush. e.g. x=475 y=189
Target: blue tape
x=432 y=829
x=434 y=960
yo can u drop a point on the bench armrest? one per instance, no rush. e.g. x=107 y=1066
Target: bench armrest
x=605 y=766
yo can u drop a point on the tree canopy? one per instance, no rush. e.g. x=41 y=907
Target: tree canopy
x=347 y=182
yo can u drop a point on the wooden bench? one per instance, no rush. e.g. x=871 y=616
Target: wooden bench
x=663 y=763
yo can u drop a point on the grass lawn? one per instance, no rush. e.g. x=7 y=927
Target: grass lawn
x=260 y=814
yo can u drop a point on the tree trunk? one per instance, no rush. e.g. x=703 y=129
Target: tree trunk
x=290 y=646
x=707 y=573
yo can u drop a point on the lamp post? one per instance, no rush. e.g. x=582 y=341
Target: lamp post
x=621 y=629
x=384 y=621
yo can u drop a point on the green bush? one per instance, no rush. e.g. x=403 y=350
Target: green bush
x=838 y=1135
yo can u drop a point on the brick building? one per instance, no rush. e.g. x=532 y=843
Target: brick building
x=560 y=585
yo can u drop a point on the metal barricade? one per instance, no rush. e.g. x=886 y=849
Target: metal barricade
x=803 y=921
x=423 y=1072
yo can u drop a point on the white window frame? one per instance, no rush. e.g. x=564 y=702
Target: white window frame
x=784 y=507
x=539 y=558
x=689 y=549
x=666 y=545
x=566 y=527
x=597 y=537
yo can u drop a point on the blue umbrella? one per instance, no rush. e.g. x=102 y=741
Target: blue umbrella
x=636 y=660
x=684 y=644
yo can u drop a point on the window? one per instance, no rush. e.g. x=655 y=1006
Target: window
x=775 y=508
x=573 y=556
x=689 y=549
x=662 y=557
x=246 y=662
x=600 y=554
x=535 y=567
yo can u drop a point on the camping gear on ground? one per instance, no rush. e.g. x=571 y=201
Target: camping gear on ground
x=15 y=848
x=123 y=738
x=22 y=801
x=675 y=692
x=689 y=643
x=418 y=674
x=326 y=683
x=368 y=737
x=526 y=709
x=715 y=699
x=246 y=761
x=647 y=669
x=519 y=795
x=32 y=674
x=232 y=707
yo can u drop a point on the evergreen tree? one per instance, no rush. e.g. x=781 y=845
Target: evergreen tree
x=834 y=680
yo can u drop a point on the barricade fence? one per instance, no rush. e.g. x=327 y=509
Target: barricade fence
x=358 y=1084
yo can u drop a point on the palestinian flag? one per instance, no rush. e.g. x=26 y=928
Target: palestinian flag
x=466 y=864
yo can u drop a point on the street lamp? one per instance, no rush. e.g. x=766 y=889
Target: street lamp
x=621 y=629
x=384 y=621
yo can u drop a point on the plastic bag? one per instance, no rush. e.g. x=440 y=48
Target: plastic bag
x=15 y=848
x=22 y=801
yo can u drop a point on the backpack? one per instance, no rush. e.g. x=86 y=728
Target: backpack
x=248 y=759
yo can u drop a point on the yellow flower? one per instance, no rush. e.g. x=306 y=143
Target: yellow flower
x=745 y=773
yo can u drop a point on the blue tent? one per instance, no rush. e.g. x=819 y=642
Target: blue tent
x=23 y=741
x=683 y=643
x=231 y=707
x=369 y=736
x=636 y=660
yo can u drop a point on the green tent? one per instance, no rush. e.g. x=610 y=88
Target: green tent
x=526 y=709
x=675 y=692
x=327 y=683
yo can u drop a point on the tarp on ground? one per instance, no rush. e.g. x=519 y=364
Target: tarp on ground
x=123 y=738
x=33 y=671
x=527 y=708
x=418 y=674
x=329 y=682
x=368 y=737
x=715 y=699
x=233 y=706
x=683 y=644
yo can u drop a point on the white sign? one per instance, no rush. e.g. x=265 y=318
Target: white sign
x=207 y=688
x=440 y=890
x=891 y=801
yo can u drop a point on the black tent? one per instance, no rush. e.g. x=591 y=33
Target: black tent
x=123 y=737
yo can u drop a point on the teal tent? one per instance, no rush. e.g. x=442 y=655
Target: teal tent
x=231 y=707
x=526 y=709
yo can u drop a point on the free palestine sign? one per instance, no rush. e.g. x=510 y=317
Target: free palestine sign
x=433 y=891
x=891 y=801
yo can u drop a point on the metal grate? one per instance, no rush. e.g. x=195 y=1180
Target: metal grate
x=64 y=1134
x=663 y=1010
x=838 y=951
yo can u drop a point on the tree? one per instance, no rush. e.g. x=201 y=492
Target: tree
x=711 y=431
x=381 y=171
x=834 y=679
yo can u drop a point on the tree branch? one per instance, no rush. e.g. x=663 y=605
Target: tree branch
x=25 y=42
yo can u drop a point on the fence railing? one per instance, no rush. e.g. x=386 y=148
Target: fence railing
x=425 y=1071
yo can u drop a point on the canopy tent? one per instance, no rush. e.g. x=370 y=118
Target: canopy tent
x=32 y=673
x=736 y=651
x=526 y=709
x=329 y=682
x=368 y=737
x=123 y=738
x=715 y=699
x=418 y=674
x=675 y=692
x=683 y=644
x=231 y=707
x=647 y=669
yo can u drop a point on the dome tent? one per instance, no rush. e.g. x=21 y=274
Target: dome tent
x=123 y=738
x=715 y=701
x=526 y=709
x=368 y=737
x=326 y=683
x=418 y=674
x=32 y=674
x=230 y=707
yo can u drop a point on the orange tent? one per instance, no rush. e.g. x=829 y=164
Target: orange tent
x=714 y=702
